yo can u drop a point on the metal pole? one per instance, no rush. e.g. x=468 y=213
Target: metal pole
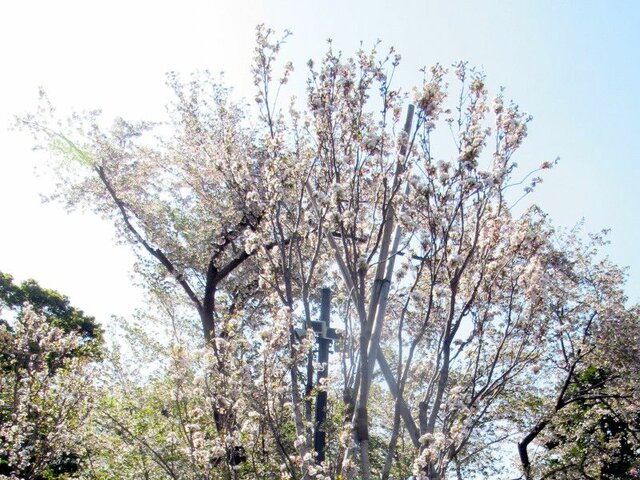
x=319 y=438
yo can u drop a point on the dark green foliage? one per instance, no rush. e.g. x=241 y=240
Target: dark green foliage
x=56 y=308
x=63 y=467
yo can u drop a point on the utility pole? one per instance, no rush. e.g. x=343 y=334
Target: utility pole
x=324 y=340
x=325 y=335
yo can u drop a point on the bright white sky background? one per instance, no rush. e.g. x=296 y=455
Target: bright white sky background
x=573 y=65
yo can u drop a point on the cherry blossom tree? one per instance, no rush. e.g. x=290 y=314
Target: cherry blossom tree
x=45 y=397
x=448 y=300
x=586 y=411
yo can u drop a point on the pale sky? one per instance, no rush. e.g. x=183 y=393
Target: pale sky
x=573 y=65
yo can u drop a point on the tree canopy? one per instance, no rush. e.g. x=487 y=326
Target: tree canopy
x=46 y=349
x=467 y=329
x=55 y=307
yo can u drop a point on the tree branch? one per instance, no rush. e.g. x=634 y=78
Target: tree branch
x=155 y=252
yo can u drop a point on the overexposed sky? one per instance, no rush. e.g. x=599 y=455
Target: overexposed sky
x=573 y=65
